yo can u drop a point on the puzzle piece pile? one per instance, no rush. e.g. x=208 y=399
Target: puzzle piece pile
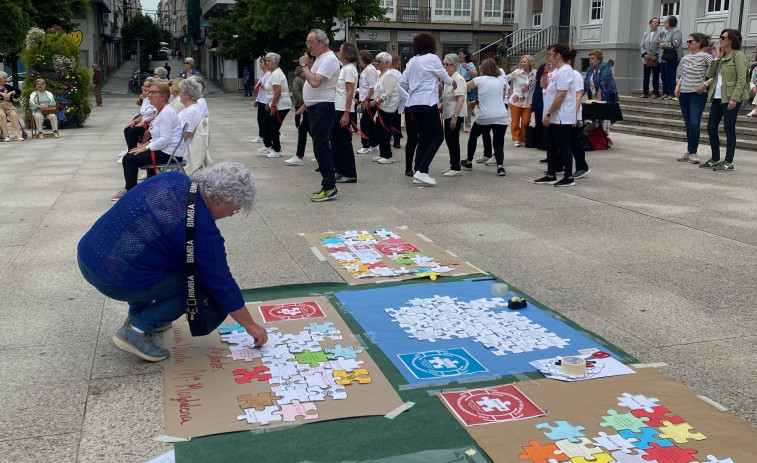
x=297 y=368
x=444 y=317
x=362 y=254
x=648 y=433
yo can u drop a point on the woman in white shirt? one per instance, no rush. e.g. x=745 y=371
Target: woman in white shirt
x=522 y=81
x=385 y=101
x=344 y=107
x=260 y=102
x=165 y=137
x=454 y=111
x=559 y=115
x=421 y=80
x=136 y=128
x=493 y=115
x=366 y=82
x=189 y=91
x=278 y=105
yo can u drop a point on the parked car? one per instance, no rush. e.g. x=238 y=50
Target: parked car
x=164 y=53
x=135 y=83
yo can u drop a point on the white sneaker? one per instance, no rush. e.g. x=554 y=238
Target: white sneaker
x=314 y=160
x=481 y=159
x=491 y=161
x=264 y=149
x=452 y=173
x=123 y=153
x=425 y=178
x=294 y=161
x=385 y=160
x=376 y=158
x=257 y=140
x=274 y=154
x=142 y=175
x=364 y=150
x=516 y=144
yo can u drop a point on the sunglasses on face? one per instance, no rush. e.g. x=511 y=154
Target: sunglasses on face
x=723 y=37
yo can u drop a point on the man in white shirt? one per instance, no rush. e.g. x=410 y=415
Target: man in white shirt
x=318 y=94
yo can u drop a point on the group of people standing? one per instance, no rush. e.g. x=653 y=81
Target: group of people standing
x=719 y=75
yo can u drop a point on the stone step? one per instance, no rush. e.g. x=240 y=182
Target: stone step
x=635 y=101
x=653 y=120
x=677 y=134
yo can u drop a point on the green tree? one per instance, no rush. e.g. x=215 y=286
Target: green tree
x=256 y=26
x=13 y=32
x=58 y=13
x=149 y=34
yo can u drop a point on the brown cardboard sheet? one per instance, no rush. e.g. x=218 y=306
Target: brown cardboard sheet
x=201 y=392
x=401 y=241
x=584 y=403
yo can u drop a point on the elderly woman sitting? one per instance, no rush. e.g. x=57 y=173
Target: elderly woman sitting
x=136 y=253
x=42 y=105
x=160 y=73
x=192 y=114
x=165 y=137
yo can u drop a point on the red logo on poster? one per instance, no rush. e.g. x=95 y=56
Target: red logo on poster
x=395 y=248
x=491 y=405
x=291 y=311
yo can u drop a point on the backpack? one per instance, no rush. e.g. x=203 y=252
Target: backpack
x=598 y=139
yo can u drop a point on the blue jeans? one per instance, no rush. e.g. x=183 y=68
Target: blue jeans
x=668 y=71
x=718 y=111
x=150 y=307
x=321 y=118
x=692 y=107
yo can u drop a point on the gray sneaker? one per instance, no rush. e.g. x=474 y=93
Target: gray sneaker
x=128 y=340
x=580 y=173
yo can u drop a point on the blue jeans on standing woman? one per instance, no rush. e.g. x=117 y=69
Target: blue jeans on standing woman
x=718 y=111
x=692 y=107
x=668 y=70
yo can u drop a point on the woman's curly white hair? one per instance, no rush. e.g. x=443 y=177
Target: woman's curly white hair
x=227 y=181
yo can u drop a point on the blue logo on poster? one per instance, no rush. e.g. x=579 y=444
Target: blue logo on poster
x=441 y=363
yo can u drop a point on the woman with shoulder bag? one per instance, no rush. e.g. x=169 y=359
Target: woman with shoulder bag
x=42 y=105
x=728 y=89
x=671 y=51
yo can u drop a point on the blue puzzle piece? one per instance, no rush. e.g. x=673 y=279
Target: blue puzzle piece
x=332 y=241
x=227 y=329
x=339 y=351
x=321 y=327
x=562 y=430
x=645 y=437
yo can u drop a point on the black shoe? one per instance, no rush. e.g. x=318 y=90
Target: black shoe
x=466 y=165
x=346 y=180
x=397 y=145
x=546 y=180
x=559 y=172
x=409 y=173
x=566 y=182
x=501 y=171
x=317 y=169
x=544 y=161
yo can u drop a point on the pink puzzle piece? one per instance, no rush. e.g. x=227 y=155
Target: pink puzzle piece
x=270 y=413
x=290 y=412
x=636 y=457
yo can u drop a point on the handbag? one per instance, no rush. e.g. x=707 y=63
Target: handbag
x=46 y=111
x=669 y=55
x=203 y=314
x=651 y=61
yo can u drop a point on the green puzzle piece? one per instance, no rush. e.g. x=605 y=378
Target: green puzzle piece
x=624 y=421
x=313 y=358
x=403 y=260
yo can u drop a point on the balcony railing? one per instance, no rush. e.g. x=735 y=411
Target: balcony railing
x=413 y=14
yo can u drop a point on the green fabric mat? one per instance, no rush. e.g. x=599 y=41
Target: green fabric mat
x=426 y=426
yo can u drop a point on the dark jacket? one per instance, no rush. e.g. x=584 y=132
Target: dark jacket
x=604 y=81
x=16 y=97
x=537 y=102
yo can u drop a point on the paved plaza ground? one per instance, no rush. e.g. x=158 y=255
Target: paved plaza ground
x=658 y=257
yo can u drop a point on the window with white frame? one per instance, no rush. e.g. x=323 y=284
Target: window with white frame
x=492 y=11
x=536 y=19
x=717 y=6
x=670 y=9
x=389 y=5
x=452 y=10
x=596 y=11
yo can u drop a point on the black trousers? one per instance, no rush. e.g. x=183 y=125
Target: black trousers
x=302 y=135
x=397 y=126
x=132 y=134
x=452 y=139
x=482 y=131
x=577 y=147
x=383 y=133
x=341 y=146
x=262 y=121
x=559 y=152
x=411 y=162
x=655 y=73
x=132 y=162
x=368 y=127
x=430 y=135
x=272 y=134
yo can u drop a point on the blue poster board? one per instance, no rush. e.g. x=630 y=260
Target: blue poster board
x=453 y=331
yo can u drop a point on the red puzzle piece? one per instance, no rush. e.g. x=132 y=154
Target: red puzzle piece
x=659 y=413
x=542 y=453
x=669 y=454
x=246 y=376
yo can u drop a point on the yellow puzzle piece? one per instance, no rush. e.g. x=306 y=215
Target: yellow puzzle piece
x=345 y=379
